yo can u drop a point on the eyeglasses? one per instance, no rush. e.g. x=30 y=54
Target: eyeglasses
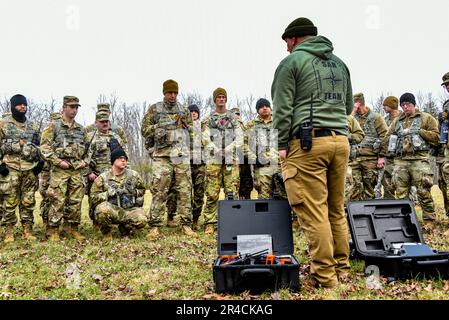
x=104 y=121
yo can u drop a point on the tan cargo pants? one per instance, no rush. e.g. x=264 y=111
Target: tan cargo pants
x=315 y=184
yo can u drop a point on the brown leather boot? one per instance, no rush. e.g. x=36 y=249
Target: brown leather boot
x=75 y=233
x=53 y=234
x=9 y=233
x=28 y=232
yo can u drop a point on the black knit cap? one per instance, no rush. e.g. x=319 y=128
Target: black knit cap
x=18 y=99
x=300 y=27
x=407 y=97
x=262 y=102
x=117 y=153
x=194 y=107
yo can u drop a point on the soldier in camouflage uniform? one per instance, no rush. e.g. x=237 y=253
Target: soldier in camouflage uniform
x=262 y=153
x=246 y=172
x=442 y=152
x=20 y=165
x=44 y=182
x=368 y=160
x=63 y=143
x=390 y=105
x=222 y=138
x=355 y=136
x=118 y=130
x=410 y=138
x=166 y=127
x=117 y=196
x=102 y=141
x=197 y=166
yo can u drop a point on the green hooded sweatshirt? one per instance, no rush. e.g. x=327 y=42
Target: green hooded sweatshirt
x=311 y=68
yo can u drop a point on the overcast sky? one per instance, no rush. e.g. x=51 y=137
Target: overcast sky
x=51 y=48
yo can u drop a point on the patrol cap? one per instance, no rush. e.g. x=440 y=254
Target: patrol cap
x=102 y=116
x=359 y=97
x=104 y=107
x=71 y=101
x=445 y=79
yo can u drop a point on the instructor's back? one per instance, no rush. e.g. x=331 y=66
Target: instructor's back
x=312 y=96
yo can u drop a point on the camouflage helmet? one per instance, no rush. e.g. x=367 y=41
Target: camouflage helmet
x=71 y=101
x=104 y=107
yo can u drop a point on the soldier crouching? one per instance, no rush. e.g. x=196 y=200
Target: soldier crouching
x=118 y=195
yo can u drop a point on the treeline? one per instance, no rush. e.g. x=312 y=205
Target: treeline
x=130 y=116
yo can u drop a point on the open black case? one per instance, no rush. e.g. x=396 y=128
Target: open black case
x=255 y=217
x=387 y=234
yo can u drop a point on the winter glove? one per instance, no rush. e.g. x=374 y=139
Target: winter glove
x=38 y=169
x=4 y=171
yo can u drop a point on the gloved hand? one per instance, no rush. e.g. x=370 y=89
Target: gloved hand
x=444 y=115
x=4 y=171
x=38 y=169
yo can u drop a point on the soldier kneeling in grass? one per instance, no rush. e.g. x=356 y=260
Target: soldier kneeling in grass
x=118 y=195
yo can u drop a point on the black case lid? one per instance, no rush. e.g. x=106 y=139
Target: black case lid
x=248 y=217
x=378 y=224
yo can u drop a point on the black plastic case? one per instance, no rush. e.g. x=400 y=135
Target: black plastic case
x=254 y=217
x=387 y=234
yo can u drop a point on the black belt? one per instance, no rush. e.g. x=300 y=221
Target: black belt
x=318 y=133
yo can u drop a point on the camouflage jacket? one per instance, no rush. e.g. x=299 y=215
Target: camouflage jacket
x=128 y=189
x=167 y=130
x=19 y=143
x=260 y=142
x=63 y=141
x=416 y=144
x=113 y=127
x=222 y=135
x=389 y=119
x=99 y=149
x=375 y=129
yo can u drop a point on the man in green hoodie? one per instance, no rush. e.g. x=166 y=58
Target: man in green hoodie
x=313 y=80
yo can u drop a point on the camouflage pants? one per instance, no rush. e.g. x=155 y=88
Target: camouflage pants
x=217 y=176
x=263 y=181
x=171 y=202
x=198 y=181
x=4 y=187
x=65 y=193
x=19 y=189
x=44 y=183
x=246 y=181
x=387 y=179
x=364 y=177
x=164 y=173
x=443 y=182
x=108 y=214
x=418 y=173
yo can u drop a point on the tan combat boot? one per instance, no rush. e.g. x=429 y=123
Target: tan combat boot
x=153 y=233
x=107 y=236
x=209 y=229
x=28 y=232
x=65 y=232
x=9 y=233
x=188 y=231
x=54 y=234
x=75 y=233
